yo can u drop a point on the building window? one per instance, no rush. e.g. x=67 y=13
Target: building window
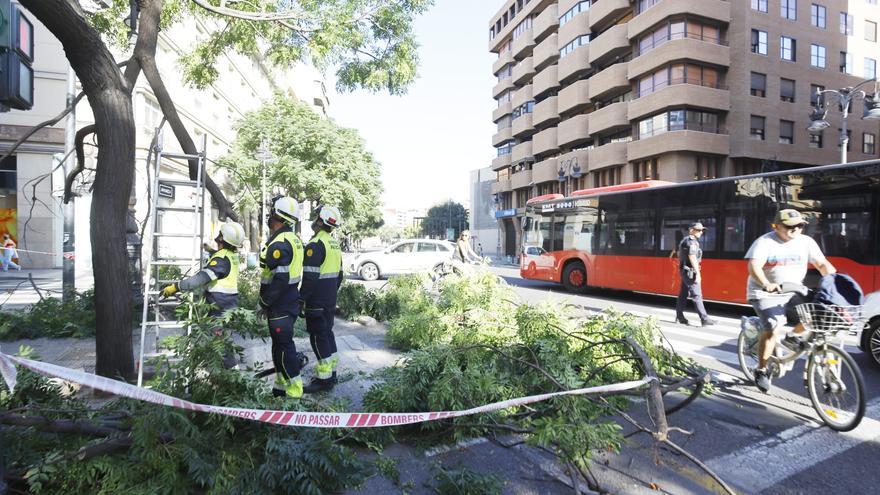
x=708 y=167
x=846 y=24
x=817 y=15
x=645 y=170
x=644 y=5
x=759 y=5
x=504 y=122
x=505 y=72
x=786 y=89
x=505 y=148
x=679 y=29
x=816 y=140
x=868 y=143
x=786 y=132
x=846 y=63
x=756 y=128
x=677 y=120
x=759 y=84
x=817 y=56
x=870 y=31
x=9 y=175
x=610 y=176
x=577 y=9
x=759 y=42
x=787 y=48
x=677 y=74
x=572 y=45
x=788 y=9
x=815 y=89
x=870 y=68
x=523 y=109
x=522 y=27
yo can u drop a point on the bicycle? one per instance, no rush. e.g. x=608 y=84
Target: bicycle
x=832 y=378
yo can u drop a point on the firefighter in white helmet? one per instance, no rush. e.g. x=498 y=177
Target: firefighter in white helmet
x=219 y=276
x=281 y=262
x=322 y=276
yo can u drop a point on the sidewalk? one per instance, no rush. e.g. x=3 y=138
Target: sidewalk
x=17 y=292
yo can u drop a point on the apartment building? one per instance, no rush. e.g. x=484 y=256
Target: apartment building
x=604 y=92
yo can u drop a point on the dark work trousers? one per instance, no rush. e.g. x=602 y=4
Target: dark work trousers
x=283 y=349
x=690 y=290
x=319 y=323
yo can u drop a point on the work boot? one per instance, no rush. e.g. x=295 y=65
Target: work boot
x=762 y=380
x=681 y=319
x=281 y=384
x=320 y=384
x=708 y=322
x=294 y=388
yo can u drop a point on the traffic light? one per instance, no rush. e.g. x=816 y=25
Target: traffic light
x=16 y=57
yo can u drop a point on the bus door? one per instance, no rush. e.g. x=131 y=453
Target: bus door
x=674 y=223
x=538 y=262
x=627 y=243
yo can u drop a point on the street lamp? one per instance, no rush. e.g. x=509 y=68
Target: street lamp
x=844 y=97
x=568 y=168
x=265 y=156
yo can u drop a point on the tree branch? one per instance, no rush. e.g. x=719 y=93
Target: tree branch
x=78 y=143
x=33 y=130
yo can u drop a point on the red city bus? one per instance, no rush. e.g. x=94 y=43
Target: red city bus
x=624 y=237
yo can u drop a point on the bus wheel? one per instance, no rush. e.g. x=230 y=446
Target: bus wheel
x=574 y=277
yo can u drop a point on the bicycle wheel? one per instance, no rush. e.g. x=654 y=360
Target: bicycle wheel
x=747 y=352
x=836 y=388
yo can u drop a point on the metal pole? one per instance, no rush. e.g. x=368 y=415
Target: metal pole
x=263 y=151
x=68 y=272
x=844 y=136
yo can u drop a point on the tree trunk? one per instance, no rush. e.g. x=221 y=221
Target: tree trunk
x=109 y=97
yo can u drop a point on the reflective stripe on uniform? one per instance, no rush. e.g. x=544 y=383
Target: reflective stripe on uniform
x=280 y=269
x=294 y=269
x=224 y=290
x=293 y=281
x=312 y=269
x=329 y=275
x=211 y=275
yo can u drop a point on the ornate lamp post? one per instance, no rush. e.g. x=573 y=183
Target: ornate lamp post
x=265 y=156
x=568 y=169
x=844 y=97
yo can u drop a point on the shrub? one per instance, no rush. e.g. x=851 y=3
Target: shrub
x=50 y=317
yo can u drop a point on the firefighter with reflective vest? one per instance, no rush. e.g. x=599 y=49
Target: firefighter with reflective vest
x=281 y=262
x=322 y=276
x=219 y=277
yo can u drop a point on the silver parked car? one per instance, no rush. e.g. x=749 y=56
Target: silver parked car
x=406 y=256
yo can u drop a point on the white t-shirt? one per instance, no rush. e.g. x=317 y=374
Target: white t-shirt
x=785 y=261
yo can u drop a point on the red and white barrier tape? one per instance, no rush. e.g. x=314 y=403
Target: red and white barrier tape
x=66 y=254
x=286 y=418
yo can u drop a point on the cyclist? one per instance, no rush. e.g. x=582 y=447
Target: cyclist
x=777 y=257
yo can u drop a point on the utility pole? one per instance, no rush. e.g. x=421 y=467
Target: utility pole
x=264 y=155
x=68 y=272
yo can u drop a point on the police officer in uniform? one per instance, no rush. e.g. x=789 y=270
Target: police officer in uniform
x=219 y=277
x=322 y=276
x=689 y=256
x=281 y=261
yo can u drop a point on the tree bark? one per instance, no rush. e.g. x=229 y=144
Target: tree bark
x=109 y=97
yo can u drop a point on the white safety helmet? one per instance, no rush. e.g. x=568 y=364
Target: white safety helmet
x=287 y=209
x=233 y=234
x=329 y=216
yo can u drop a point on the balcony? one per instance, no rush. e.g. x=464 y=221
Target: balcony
x=611 y=80
x=581 y=157
x=502 y=136
x=501 y=87
x=521 y=96
x=523 y=71
x=609 y=118
x=500 y=186
x=609 y=45
x=607 y=11
x=522 y=46
x=544 y=141
x=546 y=53
x=501 y=111
x=574 y=63
x=718 y=10
x=521 y=179
x=577 y=26
x=573 y=130
x=522 y=126
x=684 y=140
x=679 y=95
x=501 y=162
x=546 y=22
x=522 y=153
x=545 y=171
x=574 y=97
x=545 y=81
x=504 y=59
x=546 y=112
x=677 y=50
x=608 y=155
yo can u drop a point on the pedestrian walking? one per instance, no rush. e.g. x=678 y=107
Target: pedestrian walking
x=219 y=277
x=322 y=276
x=690 y=255
x=9 y=252
x=281 y=262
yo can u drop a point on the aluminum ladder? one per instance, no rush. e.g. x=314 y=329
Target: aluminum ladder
x=152 y=285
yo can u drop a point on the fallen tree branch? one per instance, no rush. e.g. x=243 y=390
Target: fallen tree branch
x=80 y=427
x=34 y=284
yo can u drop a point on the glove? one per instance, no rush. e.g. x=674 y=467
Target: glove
x=169 y=290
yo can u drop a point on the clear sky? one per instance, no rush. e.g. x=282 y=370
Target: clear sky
x=430 y=139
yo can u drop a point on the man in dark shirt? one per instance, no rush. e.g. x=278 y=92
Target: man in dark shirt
x=689 y=256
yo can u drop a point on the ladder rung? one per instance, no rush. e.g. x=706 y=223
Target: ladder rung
x=179 y=182
x=174 y=262
x=181 y=156
x=168 y=303
x=175 y=234
x=180 y=208
x=167 y=323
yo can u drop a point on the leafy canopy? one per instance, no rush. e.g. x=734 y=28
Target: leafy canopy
x=445 y=215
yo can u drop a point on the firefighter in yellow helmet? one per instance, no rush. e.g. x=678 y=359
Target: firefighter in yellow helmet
x=281 y=261
x=322 y=276
x=219 y=276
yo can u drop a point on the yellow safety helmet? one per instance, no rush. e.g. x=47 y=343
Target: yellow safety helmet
x=233 y=234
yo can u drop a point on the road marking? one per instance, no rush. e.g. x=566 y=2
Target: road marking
x=697 y=350
x=792 y=451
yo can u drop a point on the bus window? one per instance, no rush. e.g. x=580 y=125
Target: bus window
x=841 y=225
x=579 y=230
x=627 y=232
x=558 y=232
x=675 y=222
x=737 y=217
x=544 y=234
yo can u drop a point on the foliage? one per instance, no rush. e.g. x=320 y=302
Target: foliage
x=314 y=159
x=249 y=289
x=51 y=317
x=394 y=298
x=389 y=234
x=173 y=450
x=445 y=215
x=464 y=481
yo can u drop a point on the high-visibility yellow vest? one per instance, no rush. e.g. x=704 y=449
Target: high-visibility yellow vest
x=294 y=269
x=332 y=264
x=229 y=283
